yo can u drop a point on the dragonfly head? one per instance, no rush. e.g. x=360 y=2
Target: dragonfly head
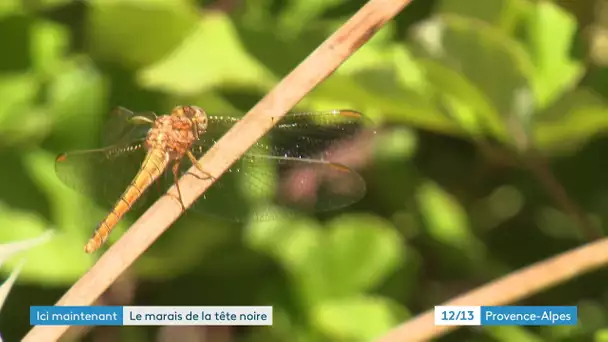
x=196 y=114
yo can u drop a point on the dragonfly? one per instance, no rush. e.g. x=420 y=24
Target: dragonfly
x=145 y=148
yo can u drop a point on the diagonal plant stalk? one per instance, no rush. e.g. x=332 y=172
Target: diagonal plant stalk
x=259 y=120
x=542 y=171
x=508 y=289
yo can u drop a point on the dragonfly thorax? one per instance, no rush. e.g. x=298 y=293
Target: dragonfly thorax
x=173 y=135
x=196 y=114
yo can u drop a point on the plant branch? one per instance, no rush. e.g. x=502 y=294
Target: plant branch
x=260 y=119
x=540 y=168
x=509 y=289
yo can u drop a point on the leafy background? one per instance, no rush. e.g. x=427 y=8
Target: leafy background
x=491 y=120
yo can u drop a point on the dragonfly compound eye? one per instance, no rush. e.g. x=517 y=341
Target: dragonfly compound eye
x=198 y=116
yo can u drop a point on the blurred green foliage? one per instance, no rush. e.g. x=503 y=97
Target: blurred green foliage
x=463 y=94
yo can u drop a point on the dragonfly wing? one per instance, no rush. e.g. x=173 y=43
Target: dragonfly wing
x=101 y=174
x=315 y=134
x=290 y=167
x=120 y=128
x=302 y=184
x=302 y=134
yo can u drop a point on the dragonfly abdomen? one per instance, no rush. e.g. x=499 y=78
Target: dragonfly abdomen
x=153 y=166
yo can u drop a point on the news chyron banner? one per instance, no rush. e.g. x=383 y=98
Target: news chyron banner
x=506 y=315
x=151 y=315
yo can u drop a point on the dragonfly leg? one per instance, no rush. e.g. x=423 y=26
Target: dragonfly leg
x=198 y=166
x=176 y=179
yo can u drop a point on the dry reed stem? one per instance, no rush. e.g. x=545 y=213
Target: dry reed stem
x=314 y=69
x=509 y=289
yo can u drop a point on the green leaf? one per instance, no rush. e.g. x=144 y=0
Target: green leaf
x=570 y=122
x=59 y=261
x=384 y=80
x=10 y=249
x=446 y=221
x=502 y=13
x=40 y=167
x=397 y=144
x=18 y=94
x=17 y=91
x=357 y=318
x=512 y=334
x=362 y=92
x=361 y=251
x=191 y=242
x=259 y=35
x=8 y=7
x=467 y=104
x=62 y=260
x=290 y=241
x=136 y=33
x=357 y=253
x=46 y=4
x=300 y=13
x=212 y=56
x=549 y=36
x=77 y=100
x=491 y=61
x=592 y=317
x=346 y=91
x=601 y=335
x=50 y=44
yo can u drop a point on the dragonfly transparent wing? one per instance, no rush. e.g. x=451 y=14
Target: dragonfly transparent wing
x=300 y=134
x=120 y=128
x=104 y=174
x=101 y=174
x=289 y=167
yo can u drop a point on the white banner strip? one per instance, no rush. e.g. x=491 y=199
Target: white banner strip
x=198 y=315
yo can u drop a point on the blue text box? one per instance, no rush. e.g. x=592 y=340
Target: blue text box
x=76 y=315
x=529 y=315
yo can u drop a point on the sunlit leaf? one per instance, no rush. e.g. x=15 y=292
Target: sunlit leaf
x=570 y=122
x=292 y=242
x=601 y=335
x=9 y=249
x=60 y=261
x=400 y=143
x=192 y=243
x=467 y=104
x=512 y=334
x=136 y=33
x=77 y=102
x=9 y=7
x=361 y=251
x=212 y=56
x=299 y=13
x=446 y=221
x=356 y=318
x=550 y=35
x=400 y=105
x=489 y=59
x=18 y=93
x=502 y=13
x=355 y=254
x=50 y=44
